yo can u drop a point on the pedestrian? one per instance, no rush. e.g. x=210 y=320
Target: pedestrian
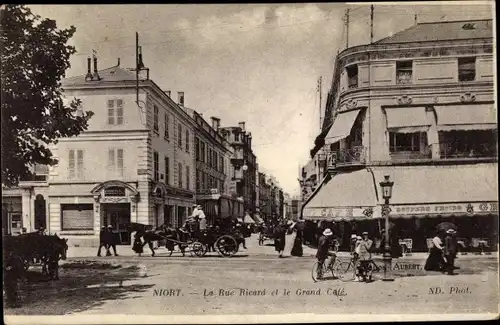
x=435 y=260
x=102 y=241
x=363 y=249
x=202 y=219
x=13 y=272
x=279 y=239
x=297 y=243
x=450 y=251
x=138 y=245
x=111 y=241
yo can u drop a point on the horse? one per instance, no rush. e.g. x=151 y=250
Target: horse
x=49 y=249
x=173 y=236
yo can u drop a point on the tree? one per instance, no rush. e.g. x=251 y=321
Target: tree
x=34 y=58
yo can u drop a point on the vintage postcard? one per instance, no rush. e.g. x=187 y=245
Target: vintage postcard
x=249 y=163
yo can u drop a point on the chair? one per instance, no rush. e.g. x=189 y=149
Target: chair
x=484 y=246
x=462 y=245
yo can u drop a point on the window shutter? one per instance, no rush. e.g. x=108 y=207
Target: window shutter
x=187 y=140
x=79 y=162
x=111 y=158
x=166 y=126
x=187 y=177
x=111 y=112
x=71 y=163
x=119 y=161
x=179 y=174
x=119 y=111
x=167 y=170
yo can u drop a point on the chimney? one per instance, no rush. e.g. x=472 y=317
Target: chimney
x=180 y=95
x=215 y=123
x=241 y=125
x=168 y=92
x=88 y=76
x=96 y=74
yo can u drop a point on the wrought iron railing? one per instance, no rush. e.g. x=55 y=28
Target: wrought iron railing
x=410 y=152
x=349 y=156
x=453 y=149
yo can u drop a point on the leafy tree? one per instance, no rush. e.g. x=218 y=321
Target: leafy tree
x=34 y=58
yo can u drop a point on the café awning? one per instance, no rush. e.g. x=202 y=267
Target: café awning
x=466 y=117
x=407 y=119
x=438 y=191
x=347 y=196
x=341 y=127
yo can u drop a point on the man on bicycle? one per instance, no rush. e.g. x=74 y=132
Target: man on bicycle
x=364 y=249
x=324 y=244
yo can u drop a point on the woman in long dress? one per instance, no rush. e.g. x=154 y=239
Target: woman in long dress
x=297 y=243
x=279 y=239
x=435 y=260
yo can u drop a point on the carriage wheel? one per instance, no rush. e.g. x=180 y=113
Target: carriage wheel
x=226 y=245
x=198 y=249
x=261 y=239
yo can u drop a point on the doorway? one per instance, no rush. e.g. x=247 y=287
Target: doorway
x=167 y=214
x=181 y=211
x=118 y=216
x=40 y=212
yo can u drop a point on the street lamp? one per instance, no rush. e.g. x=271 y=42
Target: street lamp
x=386 y=187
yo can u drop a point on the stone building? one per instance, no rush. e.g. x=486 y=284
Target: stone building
x=418 y=106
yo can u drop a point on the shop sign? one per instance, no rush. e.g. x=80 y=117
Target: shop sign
x=114 y=191
x=331 y=213
x=114 y=200
x=465 y=208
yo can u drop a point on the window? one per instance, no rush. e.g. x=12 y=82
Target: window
x=221 y=164
x=203 y=151
x=167 y=171
x=188 y=178
x=179 y=174
x=187 y=140
x=155 y=119
x=179 y=135
x=115 y=112
x=352 y=76
x=197 y=148
x=216 y=160
x=209 y=157
x=115 y=161
x=468 y=143
x=77 y=217
x=466 y=69
x=198 y=181
x=75 y=164
x=406 y=141
x=156 y=166
x=166 y=134
x=236 y=136
x=404 y=72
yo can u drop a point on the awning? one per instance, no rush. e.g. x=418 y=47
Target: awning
x=430 y=191
x=466 y=117
x=248 y=219
x=407 y=119
x=342 y=126
x=347 y=196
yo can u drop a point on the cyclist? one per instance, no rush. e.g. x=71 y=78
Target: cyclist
x=324 y=244
x=363 y=249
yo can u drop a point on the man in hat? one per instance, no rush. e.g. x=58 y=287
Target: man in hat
x=363 y=249
x=202 y=218
x=103 y=241
x=111 y=241
x=324 y=243
x=450 y=250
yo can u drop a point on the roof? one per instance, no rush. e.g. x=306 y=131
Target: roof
x=443 y=30
x=112 y=74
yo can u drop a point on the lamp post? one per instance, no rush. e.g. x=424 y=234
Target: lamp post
x=386 y=186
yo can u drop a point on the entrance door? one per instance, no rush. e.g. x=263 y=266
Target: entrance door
x=180 y=216
x=167 y=214
x=40 y=212
x=118 y=216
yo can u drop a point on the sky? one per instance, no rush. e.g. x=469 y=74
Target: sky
x=257 y=63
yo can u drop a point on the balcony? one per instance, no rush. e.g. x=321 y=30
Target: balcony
x=453 y=150
x=404 y=153
x=355 y=156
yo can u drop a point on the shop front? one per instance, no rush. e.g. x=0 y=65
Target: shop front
x=177 y=206
x=116 y=202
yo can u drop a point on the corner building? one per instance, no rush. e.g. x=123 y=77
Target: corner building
x=418 y=106
x=133 y=164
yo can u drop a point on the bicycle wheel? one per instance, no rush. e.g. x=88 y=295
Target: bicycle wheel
x=317 y=271
x=346 y=271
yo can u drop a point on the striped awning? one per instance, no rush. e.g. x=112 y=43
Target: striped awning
x=407 y=119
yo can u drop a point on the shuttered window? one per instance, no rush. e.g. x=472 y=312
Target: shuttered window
x=187 y=140
x=167 y=171
x=155 y=118
x=188 y=178
x=75 y=164
x=179 y=135
x=119 y=111
x=111 y=112
x=179 y=174
x=167 y=122
x=115 y=111
x=156 y=166
x=71 y=164
x=77 y=217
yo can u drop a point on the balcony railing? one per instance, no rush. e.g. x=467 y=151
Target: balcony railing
x=347 y=157
x=450 y=150
x=409 y=152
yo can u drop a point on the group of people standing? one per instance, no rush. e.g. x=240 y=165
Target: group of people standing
x=279 y=234
x=443 y=252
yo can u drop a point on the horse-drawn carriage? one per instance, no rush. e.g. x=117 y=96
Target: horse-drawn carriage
x=196 y=242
